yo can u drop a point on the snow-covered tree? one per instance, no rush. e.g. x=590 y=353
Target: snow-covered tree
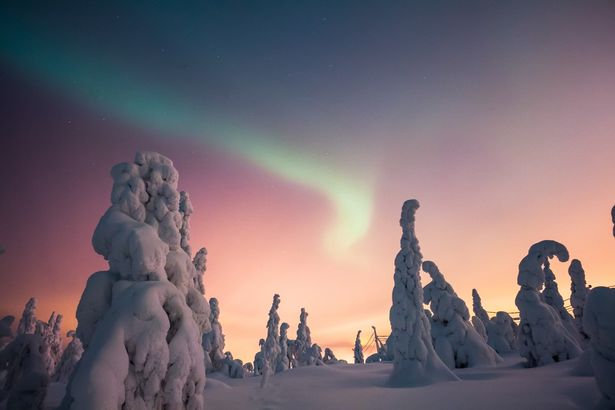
x=599 y=323
x=477 y=308
x=542 y=337
x=358 y=349
x=141 y=321
x=303 y=343
x=68 y=361
x=231 y=367
x=185 y=209
x=52 y=340
x=259 y=358
x=480 y=327
x=415 y=361
x=458 y=344
x=501 y=335
x=213 y=341
x=272 y=342
x=553 y=298
x=200 y=264
x=27 y=323
x=578 y=293
x=283 y=363
x=26 y=378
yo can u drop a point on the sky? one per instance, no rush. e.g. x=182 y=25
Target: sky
x=299 y=128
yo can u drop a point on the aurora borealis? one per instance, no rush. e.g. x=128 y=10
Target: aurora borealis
x=299 y=129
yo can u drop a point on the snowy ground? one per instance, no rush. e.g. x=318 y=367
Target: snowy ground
x=508 y=386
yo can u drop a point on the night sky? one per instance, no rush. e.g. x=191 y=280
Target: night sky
x=299 y=128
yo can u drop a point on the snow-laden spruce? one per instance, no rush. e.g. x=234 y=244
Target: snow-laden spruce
x=542 y=337
x=480 y=327
x=599 y=323
x=186 y=210
x=50 y=334
x=200 y=264
x=303 y=342
x=271 y=349
x=141 y=321
x=457 y=342
x=553 y=298
x=27 y=323
x=70 y=356
x=578 y=294
x=283 y=362
x=477 y=308
x=358 y=349
x=213 y=341
x=415 y=361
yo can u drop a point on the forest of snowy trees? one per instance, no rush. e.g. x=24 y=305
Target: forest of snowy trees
x=147 y=336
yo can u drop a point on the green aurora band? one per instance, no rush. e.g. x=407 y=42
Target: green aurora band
x=119 y=91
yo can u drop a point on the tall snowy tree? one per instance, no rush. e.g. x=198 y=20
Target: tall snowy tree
x=272 y=342
x=27 y=323
x=553 y=298
x=141 y=321
x=542 y=337
x=477 y=308
x=185 y=210
x=578 y=293
x=415 y=361
x=479 y=326
x=358 y=349
x=303 y=343
x=200 y=264
x=213 y=341
x=458 y=344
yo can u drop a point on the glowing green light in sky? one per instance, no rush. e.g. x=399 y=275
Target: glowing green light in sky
x=123 y=93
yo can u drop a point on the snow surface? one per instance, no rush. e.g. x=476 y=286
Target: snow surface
x=509 y=386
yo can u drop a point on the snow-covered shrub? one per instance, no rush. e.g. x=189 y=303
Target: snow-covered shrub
x=313 y=356
x=141 y=321
x=329 y=357
x=578 y=294
x=457 y=342
x=599 y=323
x=542 y=337
x=213 y=341
x=358 y=349
x=283 y=363
x=68 y=361
x=259 y=358
x=231 y=367
x=26 y=378
x=415 y=361
x=501 y=336
x=27 y=323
